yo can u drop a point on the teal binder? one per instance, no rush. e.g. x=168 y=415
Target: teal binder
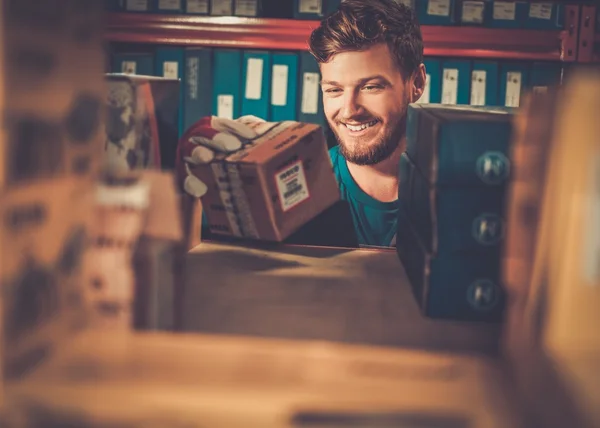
x=256 y=79
x=514 y=79
x=138 y=5
x=170 y=65
x=310 y=98
x=197 y=85
x=169 y=6
x=284 y=86
x=544 y=75
x=197 y=7
x=309 y=9
x=227 y=79
x=484 y=83
x=433 y=86
x=456 y=82
x=133 y=63
x=250 y=8
x=221 y=7
x=436 y=12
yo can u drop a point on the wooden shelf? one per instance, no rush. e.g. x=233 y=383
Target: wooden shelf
x=259 y=33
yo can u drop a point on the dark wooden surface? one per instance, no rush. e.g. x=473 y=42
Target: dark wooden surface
x=348 y=296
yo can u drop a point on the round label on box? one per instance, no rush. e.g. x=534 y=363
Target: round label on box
x=483 y=294
x=493 y=167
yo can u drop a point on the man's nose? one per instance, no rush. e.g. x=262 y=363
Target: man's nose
x=351 y=105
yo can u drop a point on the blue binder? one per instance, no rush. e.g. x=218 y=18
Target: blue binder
x=284 y=86
x=256 y=80
x=170 y=64
x=514 y=79
x=310 y=97
x=227 y=83
x=545 y=16
x=331 y=6
x=484 y=83
x=508 y=14
x=169 y=6
x=309 y=9
x=197 y=7
x=197 y=87
x=544 y=75
x=433 y=86
x=139 y=5
x=436 y=12
x=456 y=82
x=133 y=63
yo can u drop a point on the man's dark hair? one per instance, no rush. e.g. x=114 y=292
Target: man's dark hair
x=359 y=24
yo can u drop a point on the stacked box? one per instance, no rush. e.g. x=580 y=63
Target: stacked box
x=51 y=101
x=451 y=228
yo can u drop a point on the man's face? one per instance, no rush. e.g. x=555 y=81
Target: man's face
x=365 y=100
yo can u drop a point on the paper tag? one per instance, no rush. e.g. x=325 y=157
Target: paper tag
x=540 y=10
x=137 y=5
x=197 y=6
x=310 y=93
x=170 y=70
x=254 y=74
x=438 y=7
x=279 y=85
x=291 y=185
x=191 y=76
x=513 y=89
x=472 y=11
x=425 y=98
x=169 y=4
x=246 y=7
x=128 y=67
x=450 y=86
x=310 y=6
x=222 y=7
x=225 y=106
x=505 y=11
x=592 y=234
x=478 y=85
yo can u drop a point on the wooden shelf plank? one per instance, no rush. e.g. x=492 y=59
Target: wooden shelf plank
x=277 y=34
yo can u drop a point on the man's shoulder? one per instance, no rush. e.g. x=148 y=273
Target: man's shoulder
x=334 y=155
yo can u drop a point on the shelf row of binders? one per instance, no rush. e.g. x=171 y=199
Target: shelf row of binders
x=486 y=13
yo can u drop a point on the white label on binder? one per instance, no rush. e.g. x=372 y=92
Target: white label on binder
x=279 y=85
x=592 y=252
x=193 y=65
x=128 y=67
x=254 y=75
x=197 y=6
x=450 y=86
x=310 y=6
x=426 y=97
x=137 y=5
x=540 y=10
x=310 y=93
x=292 y=186
x=478 y=87
x=222 y=8
x=170 y=70
x=513 y=89
x=169 y=4
x=225 y=106
x=246 y=7
x=438 y=7
x=472 y=11
x=505 y=10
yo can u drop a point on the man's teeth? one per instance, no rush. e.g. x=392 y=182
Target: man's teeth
x=360 y=127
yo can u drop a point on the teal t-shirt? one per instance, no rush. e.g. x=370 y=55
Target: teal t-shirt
x=374 y=221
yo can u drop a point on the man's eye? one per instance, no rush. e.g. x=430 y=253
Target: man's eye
x=372 y=87
x=332 y=90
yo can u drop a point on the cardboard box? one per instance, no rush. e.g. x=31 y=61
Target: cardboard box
x=273 y=186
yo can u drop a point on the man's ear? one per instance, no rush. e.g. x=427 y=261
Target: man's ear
x=418 y=84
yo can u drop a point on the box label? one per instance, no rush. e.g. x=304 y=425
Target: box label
x=279 y=85
x=225 y=106
x=169 y=4
x=171 y=70
x=137 y=5
x=513 y=89
x=505 y=11
x=254 y=76
x=472 y=11
x=592 y=235
x=478 y=78
x=310 y=6
x=128 y=67
x=450 y=86
x=246 y=7
x=310 y=93
x=222 y=7
x=197 y=6
x=192 y=77
x=438 y=8
x=426 y=96
x=540 y=10
x=292 y=186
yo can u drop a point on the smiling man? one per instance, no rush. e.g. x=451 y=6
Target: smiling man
x=371 y=57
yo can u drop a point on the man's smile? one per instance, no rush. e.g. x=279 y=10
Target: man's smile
x=358 y=128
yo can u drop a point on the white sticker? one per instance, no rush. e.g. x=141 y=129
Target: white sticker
x=591 y=252
x=197 y=6
x=310 y=93
x=254 y=75
x=291 y=185
x=225 y=106
x=472 y=12
x=128 y=67
x=279 y=85
x=191 y=76
x=246 y=7
x=450 y=86
x=171 y=70
x=169 y=4
x=310 y=6
x=137 y=5
x=438 y=7
x=426 y=97
x=222 y=7
x=540 y=10
x=478 y=85
x=513 y=89
x=505 y=10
